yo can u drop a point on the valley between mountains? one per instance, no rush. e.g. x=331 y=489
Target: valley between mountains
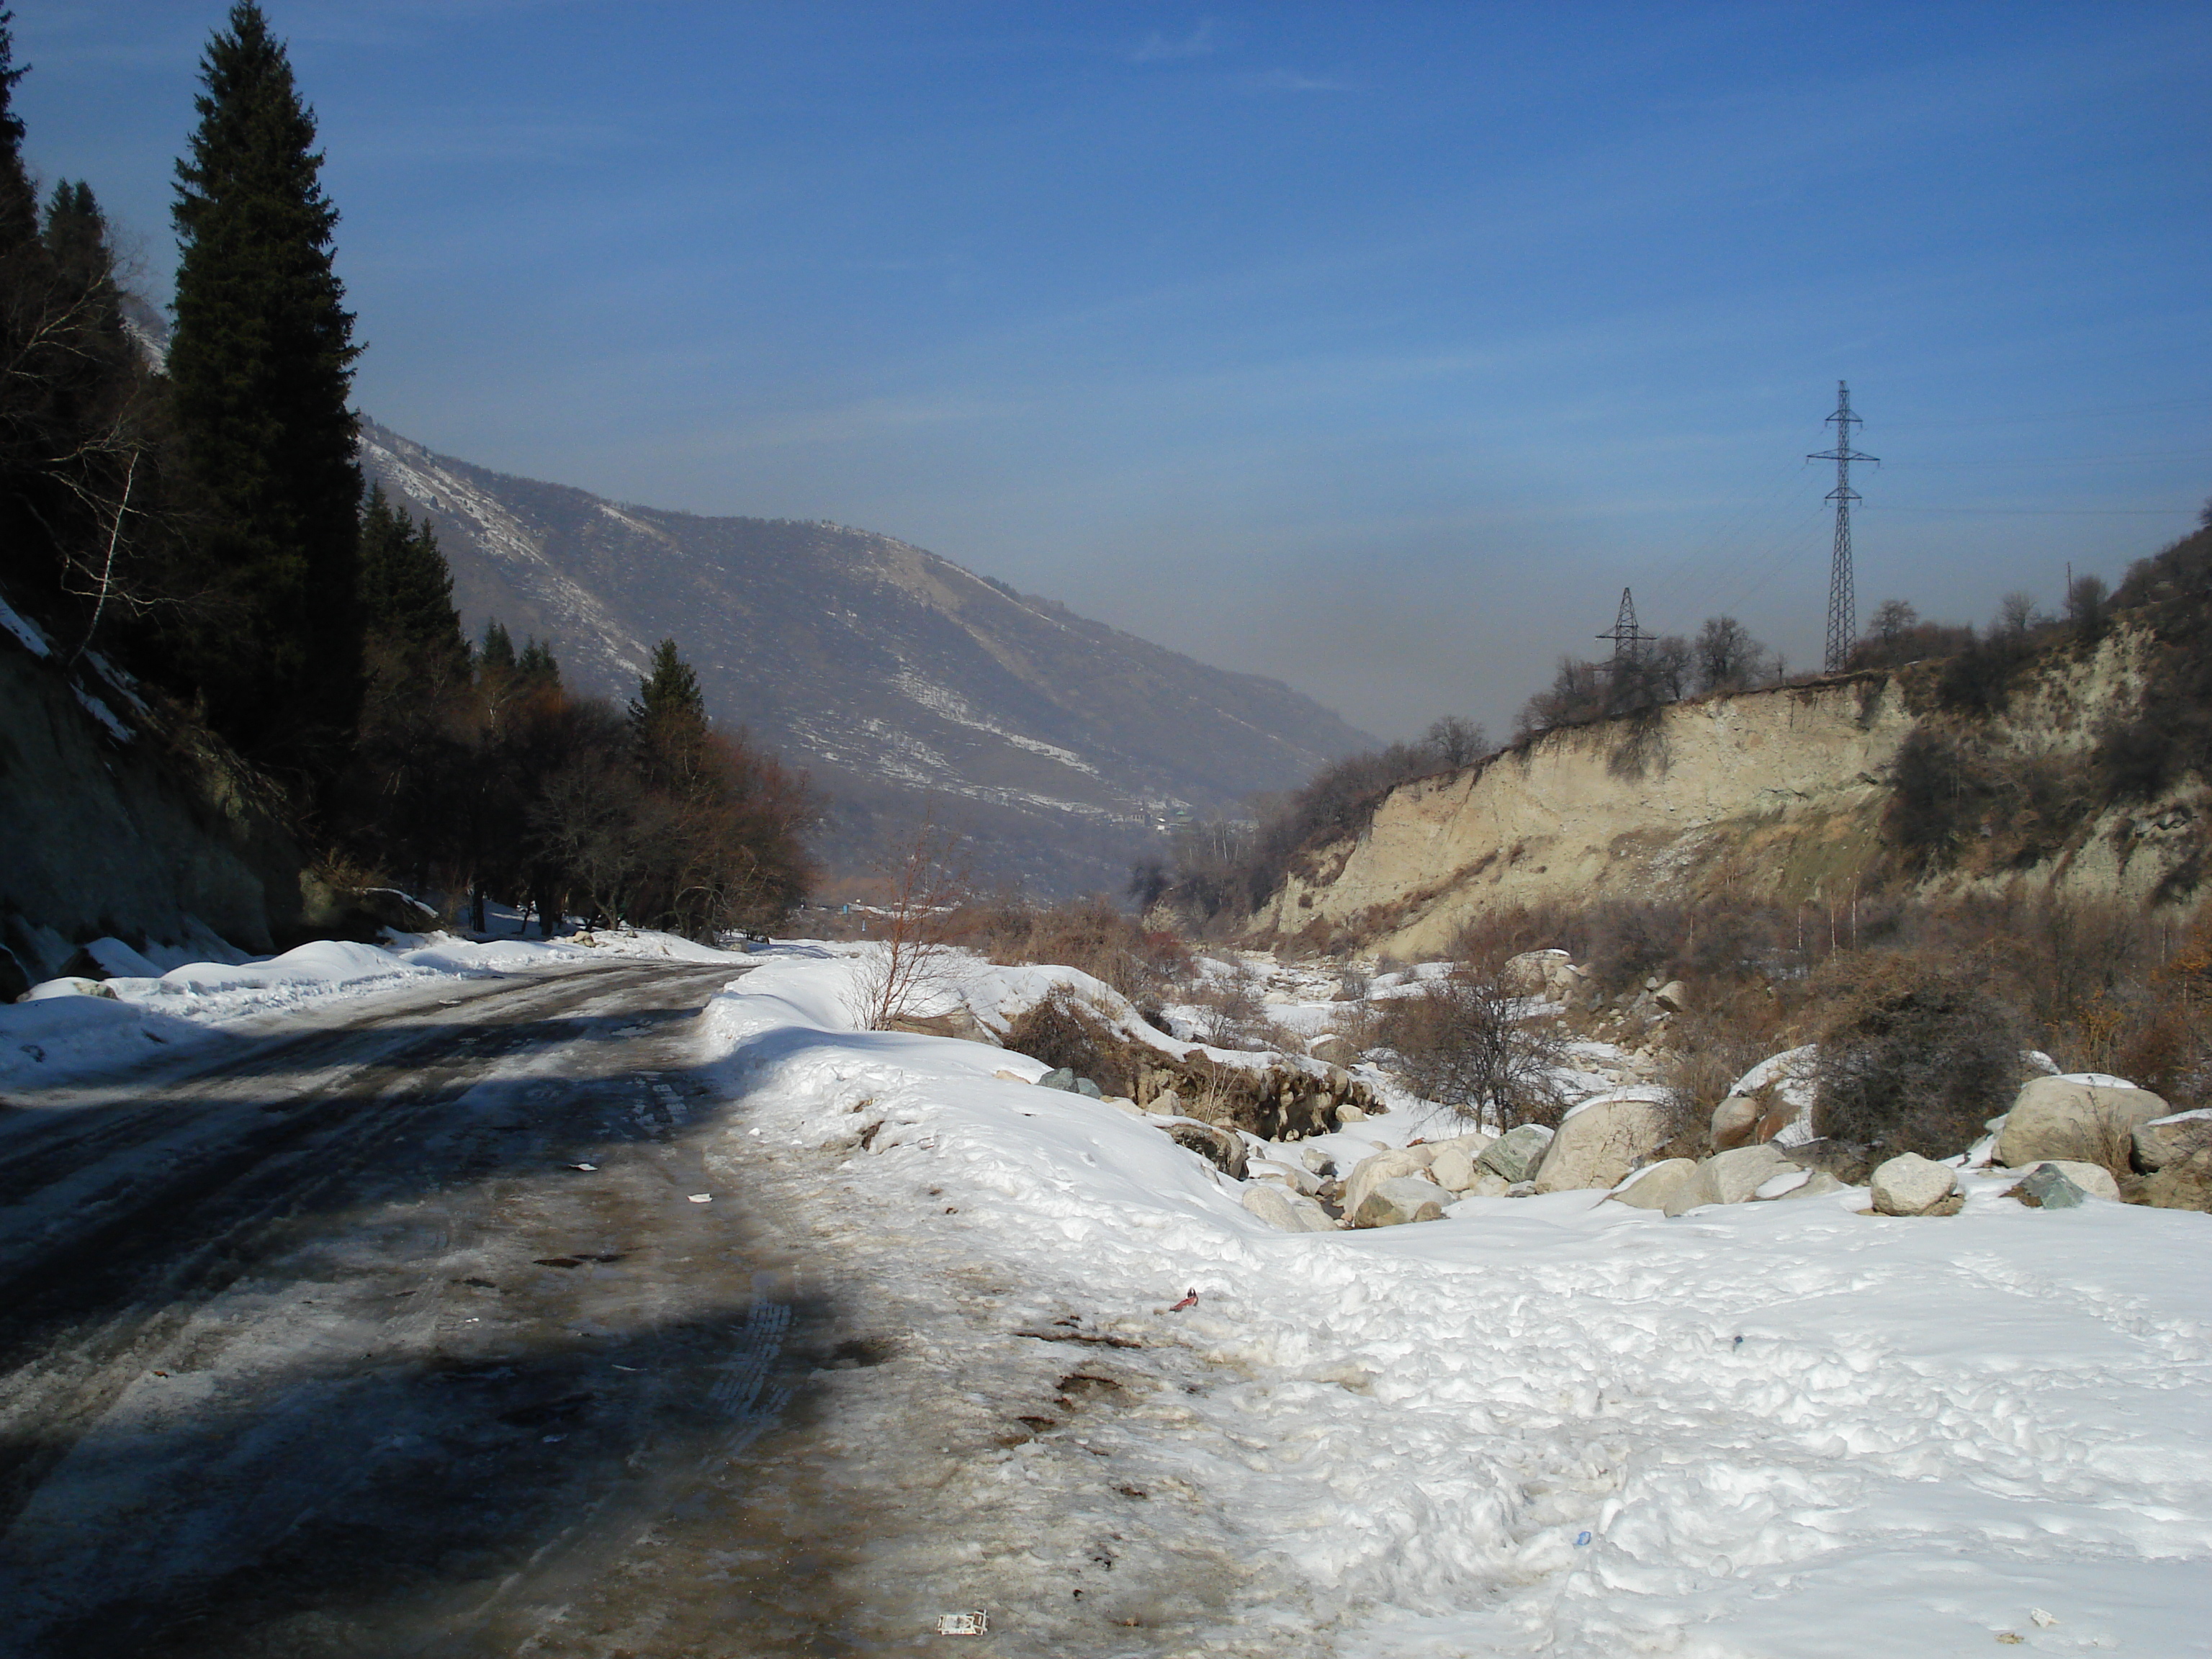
x=906 y=684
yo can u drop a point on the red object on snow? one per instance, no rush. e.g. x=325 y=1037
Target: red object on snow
x=1190 y=1300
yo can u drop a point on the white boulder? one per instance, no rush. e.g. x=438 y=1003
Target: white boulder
x=2084 y=1117
x=2165 y=1140
x=1604 y=1138
x=1399 y=1200
x=1297 y=1177
x=1454 y=1166
x=1291 y=1211
x=1650 y=1186
x=1910 y=1184
x=1371 y=1172
x=1729 y=1178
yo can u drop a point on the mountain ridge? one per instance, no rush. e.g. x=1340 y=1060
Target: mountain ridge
x=909 y=685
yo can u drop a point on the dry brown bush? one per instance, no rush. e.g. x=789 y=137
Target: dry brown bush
x=1916 y=1052
x=1089 y=934
x=1712 y=1046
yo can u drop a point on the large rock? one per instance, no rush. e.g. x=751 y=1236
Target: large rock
x=1650 y=1186
x=2186 y=1185
x=1847 y=1161
x=1604 y=1138
x=2046 y=1187
x=2165 y=1140
x=1297 y=1177
x=1910 y=1184
x=1780 y=1090
x=2073 y=1117
x=1454 y=1167
x=401 y=912
x=1336 y=1049
x=1370 y=1172
x=1674 y=997
x=2094 y=1179
x=1735 y=1123
x=1290 y=1211
x=1817 y=1183
x=1515 y=1154
x=1727 y=1178
x=1221 y=1147
x=1549 y=973
x=1400 y=1200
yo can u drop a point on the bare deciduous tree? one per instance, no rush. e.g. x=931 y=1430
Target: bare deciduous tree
x=1467 y=1041
x=1727 y=657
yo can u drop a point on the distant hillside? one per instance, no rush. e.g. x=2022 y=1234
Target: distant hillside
x=2078 y=768
x=903 y=682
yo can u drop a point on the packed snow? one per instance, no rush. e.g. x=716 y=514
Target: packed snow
x=1559 y=1424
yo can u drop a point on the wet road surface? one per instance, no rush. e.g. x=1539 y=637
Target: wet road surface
x=330 y=1350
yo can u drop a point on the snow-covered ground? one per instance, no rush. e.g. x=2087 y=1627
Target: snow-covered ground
x=1558 y=1425
x=73 y=1028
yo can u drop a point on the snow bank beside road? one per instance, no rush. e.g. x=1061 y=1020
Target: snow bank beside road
x=1562 y=1426
x=73 y=1028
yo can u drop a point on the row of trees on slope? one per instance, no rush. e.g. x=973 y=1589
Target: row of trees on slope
x=200 y=520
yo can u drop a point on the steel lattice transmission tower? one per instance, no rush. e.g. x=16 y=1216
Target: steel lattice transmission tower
x=1628 y=640
x=1843 y=603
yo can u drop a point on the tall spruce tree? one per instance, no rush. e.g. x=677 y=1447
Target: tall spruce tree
x=668 y=722
x=261 y=369
x=24 y=270
x=18 y=203
x=407 y=591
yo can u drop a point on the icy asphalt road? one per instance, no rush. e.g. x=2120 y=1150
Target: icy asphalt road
x=327 y=1348
x=330 y=1351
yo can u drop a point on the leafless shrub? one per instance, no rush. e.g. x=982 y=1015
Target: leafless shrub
x=904 y=968
x=1709 y=1048
x=1234 y=1016
x=1466 y=1042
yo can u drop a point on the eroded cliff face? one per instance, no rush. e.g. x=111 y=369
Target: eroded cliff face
x=1778 y=794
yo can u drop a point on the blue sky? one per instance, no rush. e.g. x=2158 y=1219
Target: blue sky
x=1373 y=346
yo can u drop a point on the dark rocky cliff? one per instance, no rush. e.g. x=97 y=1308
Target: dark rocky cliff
x=116 y=818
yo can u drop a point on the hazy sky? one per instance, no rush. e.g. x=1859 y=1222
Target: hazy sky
x=1373 y=346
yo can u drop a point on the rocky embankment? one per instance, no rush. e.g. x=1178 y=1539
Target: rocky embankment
x=123 y=819
x=1292 y=1132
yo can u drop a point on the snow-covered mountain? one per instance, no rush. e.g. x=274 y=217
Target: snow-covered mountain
x=903 y=682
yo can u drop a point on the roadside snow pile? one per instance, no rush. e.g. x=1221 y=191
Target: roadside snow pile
x=68 y=1033
x=1556 y=1424
x=73 y=1026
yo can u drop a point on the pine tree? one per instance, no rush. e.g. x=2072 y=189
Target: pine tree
x=668 y=722
x=537 y=666
x=68 y=442
x=407 y=591
x=261 y=367
x=19 y=204
x=497 y=650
